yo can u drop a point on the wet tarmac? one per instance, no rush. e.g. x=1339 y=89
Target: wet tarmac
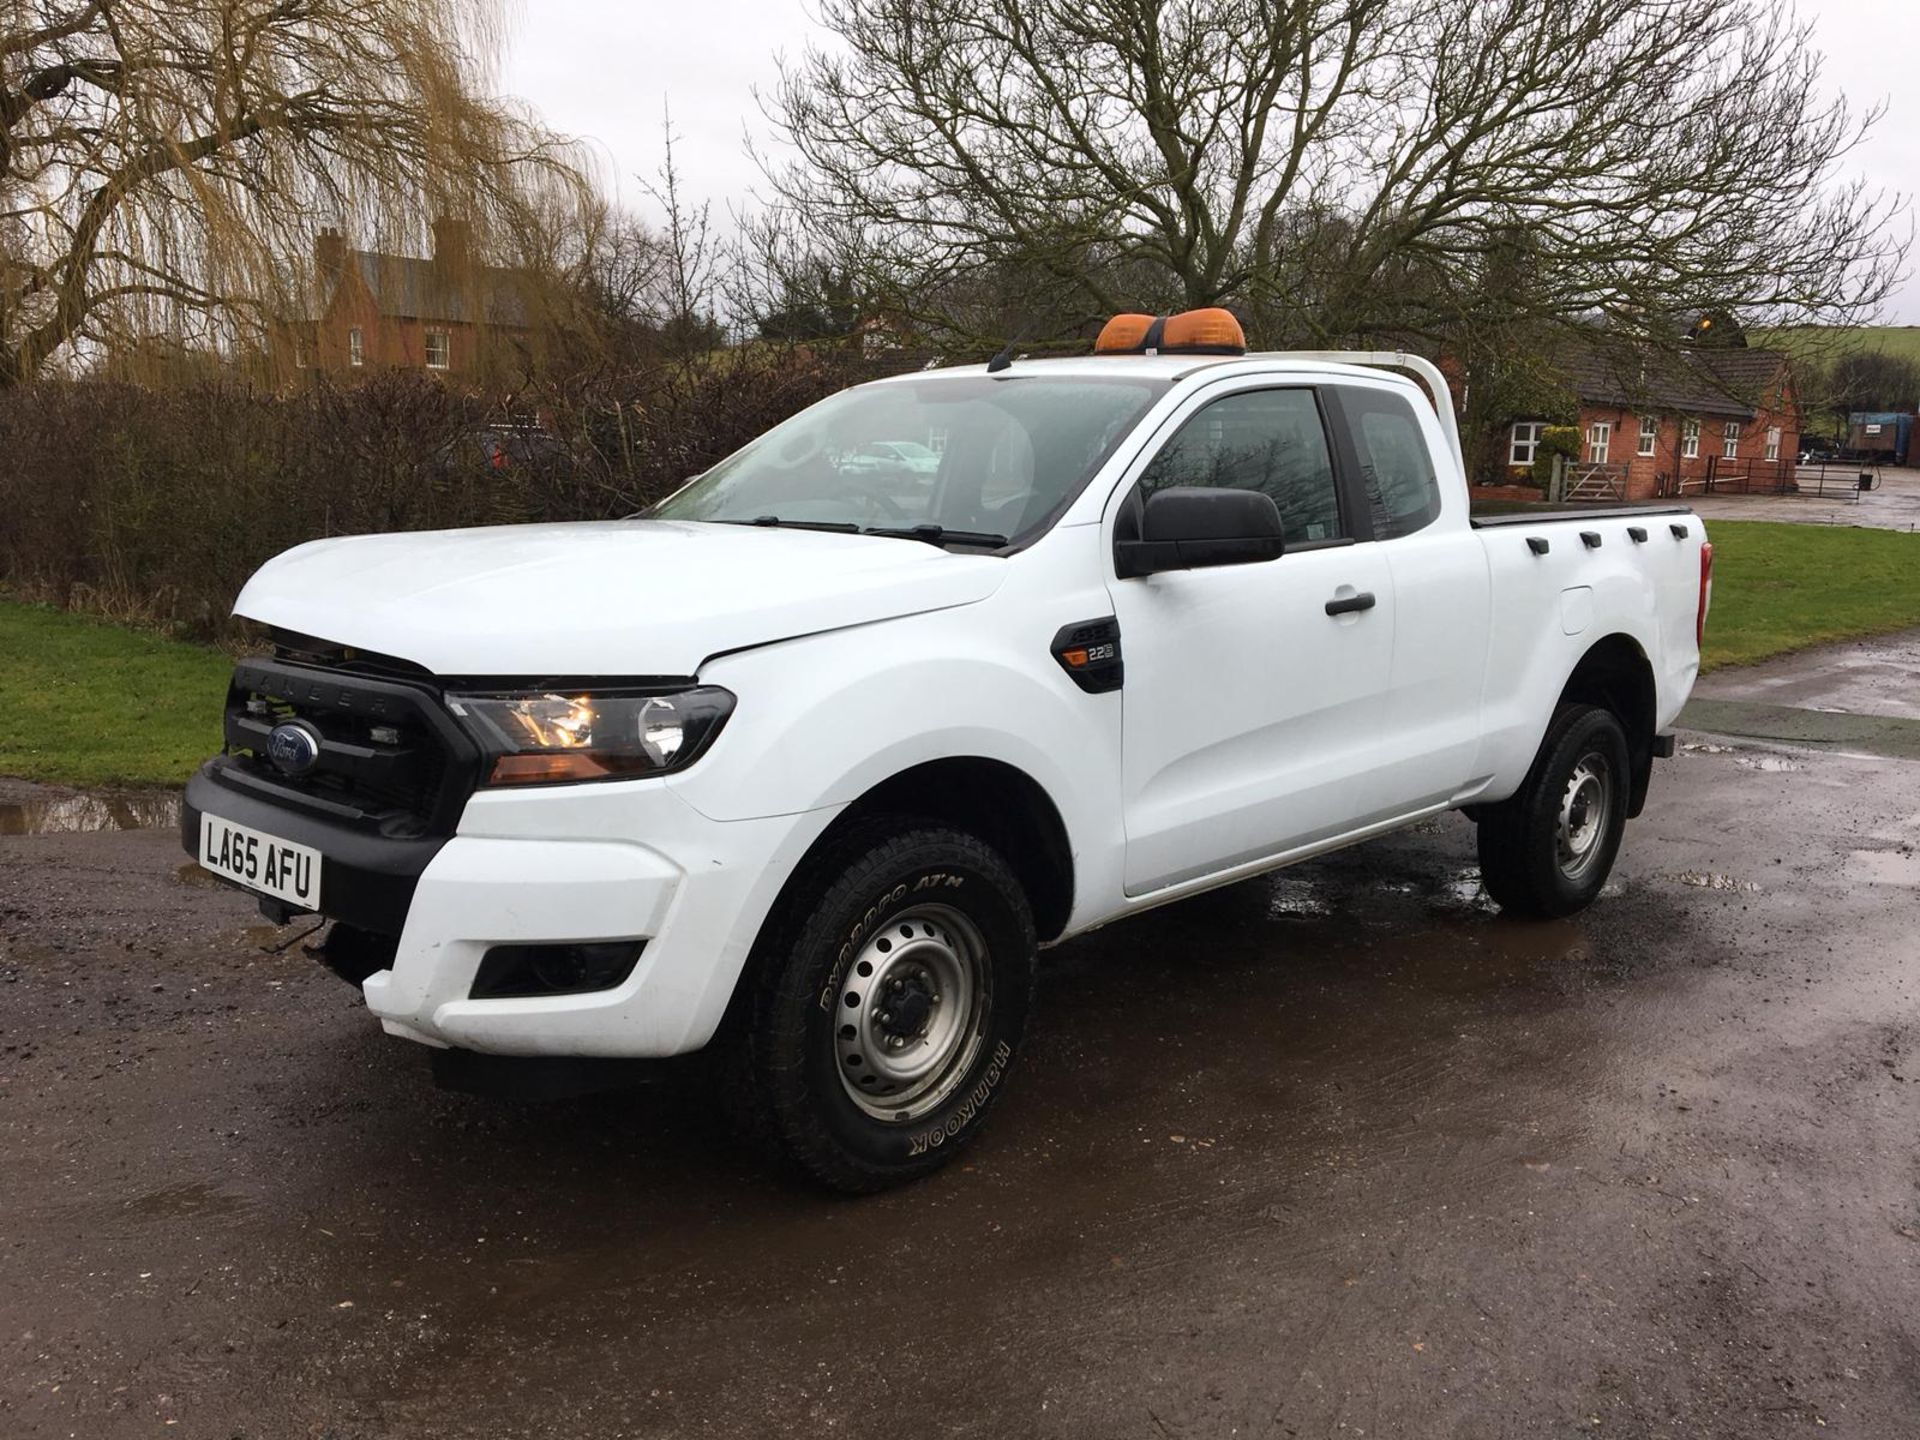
x=1340 y=1152
x=1892 y=504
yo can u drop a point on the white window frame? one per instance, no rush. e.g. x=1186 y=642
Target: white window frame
x=1599 y=441
x=1523 y=445
x=445 y=338
x=1773 y=443
x=1689 y=439
x=1649 y=435
x=356 y=347
x=1730 y=441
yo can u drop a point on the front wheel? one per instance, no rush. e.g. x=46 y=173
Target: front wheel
x=1548 y=849
x=892 y=995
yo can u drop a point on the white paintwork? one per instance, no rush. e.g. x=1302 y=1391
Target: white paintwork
x=1253 y=729
x=616 y=597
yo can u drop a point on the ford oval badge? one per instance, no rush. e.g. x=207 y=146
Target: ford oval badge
x=294 y=748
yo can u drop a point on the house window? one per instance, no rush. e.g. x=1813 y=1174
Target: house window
x=1773 y=442
x=1649 y=434
x=439 y=350
x=1690 y=439
x=1525 y=443
x=1730 y=441
x=356 y=347
x=1599 y=438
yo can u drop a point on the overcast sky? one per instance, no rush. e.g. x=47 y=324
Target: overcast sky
x=604 y=70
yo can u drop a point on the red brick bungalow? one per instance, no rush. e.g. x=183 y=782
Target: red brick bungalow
x=447 y=314
x=1668 y=423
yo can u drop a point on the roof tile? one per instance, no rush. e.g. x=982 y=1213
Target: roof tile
x=1702 y=381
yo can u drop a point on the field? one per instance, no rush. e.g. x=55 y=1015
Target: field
x=1822 y=342
x=90 y=703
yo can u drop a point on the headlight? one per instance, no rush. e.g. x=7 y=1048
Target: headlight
x=551 y=738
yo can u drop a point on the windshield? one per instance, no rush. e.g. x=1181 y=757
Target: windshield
x=989 y=459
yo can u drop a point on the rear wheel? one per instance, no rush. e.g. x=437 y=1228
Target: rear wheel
x=1548 y=850
x=892 y=995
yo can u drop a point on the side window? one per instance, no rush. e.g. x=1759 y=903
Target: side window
x=1396 y=465
x=1266 y=440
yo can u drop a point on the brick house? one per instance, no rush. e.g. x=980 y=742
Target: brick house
x=447 y=314
x=1666 y=423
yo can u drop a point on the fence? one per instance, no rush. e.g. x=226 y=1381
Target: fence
x=1594 y=482
x=1780 y=477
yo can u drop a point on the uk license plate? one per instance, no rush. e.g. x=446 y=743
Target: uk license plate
x=261 y=862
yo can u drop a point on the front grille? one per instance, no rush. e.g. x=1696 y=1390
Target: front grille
x=391 y=759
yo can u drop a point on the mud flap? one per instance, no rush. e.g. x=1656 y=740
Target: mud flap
x=1661 y=747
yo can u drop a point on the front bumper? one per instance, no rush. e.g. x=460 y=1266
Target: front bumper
x=370 y=878
x=550 y=866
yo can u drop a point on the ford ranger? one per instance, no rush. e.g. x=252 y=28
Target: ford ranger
x=803 y=766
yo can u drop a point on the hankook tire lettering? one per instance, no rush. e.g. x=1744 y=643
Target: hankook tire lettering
x=968 y=1109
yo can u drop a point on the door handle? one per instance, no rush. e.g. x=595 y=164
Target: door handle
x=1350 y=603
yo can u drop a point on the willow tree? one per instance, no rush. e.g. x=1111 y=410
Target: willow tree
x=164 y=163
x=1342 y=169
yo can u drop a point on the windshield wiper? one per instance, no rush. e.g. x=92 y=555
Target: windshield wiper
x=838 y=527
x=937 y=535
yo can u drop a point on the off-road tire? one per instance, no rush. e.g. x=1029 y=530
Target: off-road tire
x=788 y=1041
x=1524 y=860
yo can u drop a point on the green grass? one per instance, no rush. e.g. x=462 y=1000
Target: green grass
x=83 y=702
x=1781 y=587
x=1823 y=342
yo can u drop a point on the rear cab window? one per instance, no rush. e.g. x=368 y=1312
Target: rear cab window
x=1393 y=458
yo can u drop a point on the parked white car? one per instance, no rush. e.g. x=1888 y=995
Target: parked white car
x=806 y=767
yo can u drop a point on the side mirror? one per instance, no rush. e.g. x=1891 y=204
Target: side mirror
x=1188 y=527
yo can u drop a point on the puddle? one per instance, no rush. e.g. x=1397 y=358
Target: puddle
x=86 y=814
x=1705 y=881
x=1773 y=763
x=1465 y=891
x=1295 y=897
x=1708 y=748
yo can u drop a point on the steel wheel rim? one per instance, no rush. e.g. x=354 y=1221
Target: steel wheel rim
x=912 y=1008
x=1586 y=811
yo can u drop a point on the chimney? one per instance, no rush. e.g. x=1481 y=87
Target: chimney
x=452 y=245
x=329 y=253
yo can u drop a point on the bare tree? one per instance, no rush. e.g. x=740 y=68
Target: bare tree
x=1864 y=379
x=1339 y=168
x=691 y=256
x=163 y=162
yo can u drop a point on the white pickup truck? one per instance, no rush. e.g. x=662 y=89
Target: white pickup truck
x=805 y=765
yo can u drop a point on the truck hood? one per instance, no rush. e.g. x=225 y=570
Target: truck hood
x=615 y=597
